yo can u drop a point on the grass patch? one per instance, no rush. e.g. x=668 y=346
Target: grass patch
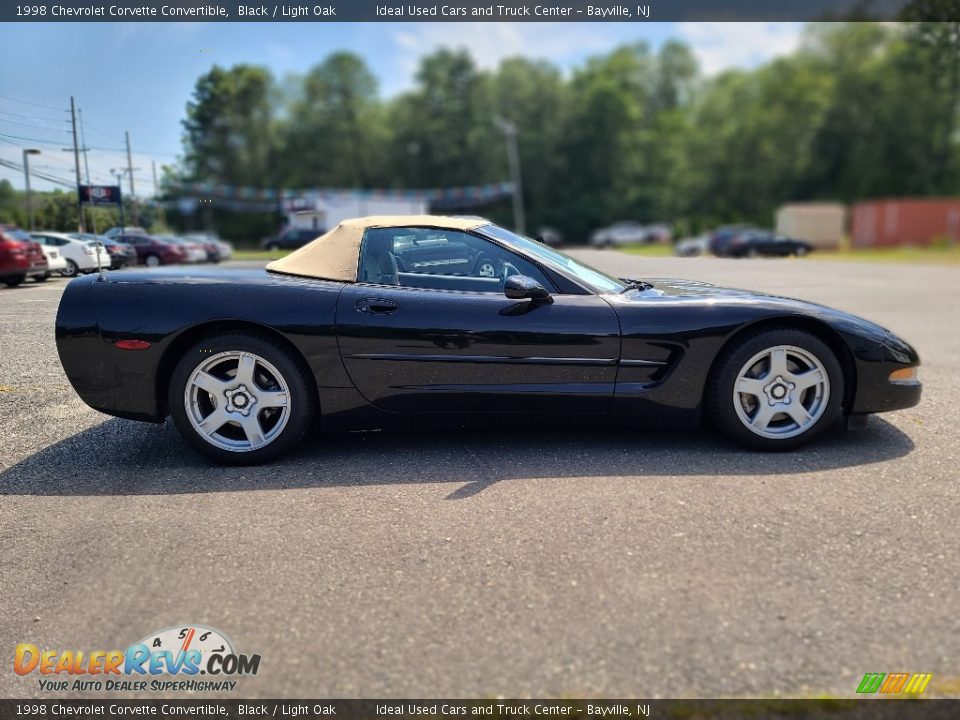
x=265 y=255
x=927 y=255
x=656 y=250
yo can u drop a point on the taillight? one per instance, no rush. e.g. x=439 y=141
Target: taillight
x=132 y=344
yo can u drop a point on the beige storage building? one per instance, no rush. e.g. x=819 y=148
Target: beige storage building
x=820 y=224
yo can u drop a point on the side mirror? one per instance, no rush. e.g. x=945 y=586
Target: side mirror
x=521 y=287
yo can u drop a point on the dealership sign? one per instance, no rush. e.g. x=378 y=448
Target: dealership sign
x=100 y=194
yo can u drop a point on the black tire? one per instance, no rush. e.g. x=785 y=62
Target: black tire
x=72 y=269
x=41 y=278
x=721 y=403
x=302 y=396
x=13 y=280
x=272 y=247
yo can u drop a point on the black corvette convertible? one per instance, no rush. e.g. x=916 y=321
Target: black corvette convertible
x=397 y=319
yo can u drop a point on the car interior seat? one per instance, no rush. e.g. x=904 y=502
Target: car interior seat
x=380 y=264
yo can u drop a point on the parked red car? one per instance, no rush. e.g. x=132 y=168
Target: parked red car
x=20 y=257
x=153 y=252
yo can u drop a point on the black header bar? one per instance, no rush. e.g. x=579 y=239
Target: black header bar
x=474 y=11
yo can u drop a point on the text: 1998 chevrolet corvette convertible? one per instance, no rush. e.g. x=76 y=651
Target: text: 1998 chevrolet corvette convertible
x=396 y=318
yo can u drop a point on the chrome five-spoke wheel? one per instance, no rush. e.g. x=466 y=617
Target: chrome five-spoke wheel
x=781 y=392
x=241 y=397
x=775 y=389
x=238 y=401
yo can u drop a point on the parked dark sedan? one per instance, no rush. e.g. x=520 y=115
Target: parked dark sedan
x=402 y=320
x=290 y=239
x=751 y=242
x=152 y=251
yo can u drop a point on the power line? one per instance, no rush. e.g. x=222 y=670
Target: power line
x=41 y=175
x=36 y=140
x=32 y=117
x=32 y=125
x=27 y=102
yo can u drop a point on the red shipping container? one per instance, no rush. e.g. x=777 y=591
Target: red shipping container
x=887 y=223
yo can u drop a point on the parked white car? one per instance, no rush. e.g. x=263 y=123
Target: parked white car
x=630 y=233
x=56 y=262
x=80 y=255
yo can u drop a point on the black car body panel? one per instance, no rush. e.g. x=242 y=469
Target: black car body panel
x=384 y=353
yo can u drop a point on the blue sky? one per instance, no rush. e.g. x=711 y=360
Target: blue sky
x=139 y=76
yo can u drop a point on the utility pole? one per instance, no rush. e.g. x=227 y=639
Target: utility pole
x=119 y=173
x=27 y=152
x=83 y=141
x=509 y=130
x=161 y=211
x=86 y=166
x=76 y=162
x=130 y=169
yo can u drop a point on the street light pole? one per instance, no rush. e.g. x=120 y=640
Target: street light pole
x=509 y=130
x=119 y=174
x=27 y=152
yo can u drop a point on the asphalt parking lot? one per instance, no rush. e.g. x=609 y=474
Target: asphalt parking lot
x=553 y=563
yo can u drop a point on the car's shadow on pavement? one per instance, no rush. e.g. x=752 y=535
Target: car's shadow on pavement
x=120 y=457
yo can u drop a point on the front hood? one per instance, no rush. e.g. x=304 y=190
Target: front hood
x=742 y=307
x=694 y=288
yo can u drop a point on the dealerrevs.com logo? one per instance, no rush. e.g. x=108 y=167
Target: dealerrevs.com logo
x=182 y=658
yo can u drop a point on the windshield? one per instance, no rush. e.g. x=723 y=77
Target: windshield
x=594 y=279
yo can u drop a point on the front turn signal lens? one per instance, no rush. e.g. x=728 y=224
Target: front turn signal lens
x=904 y=376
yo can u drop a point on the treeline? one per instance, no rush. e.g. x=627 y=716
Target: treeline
x=860 y=110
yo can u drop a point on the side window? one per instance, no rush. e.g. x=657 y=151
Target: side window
x=440 y=259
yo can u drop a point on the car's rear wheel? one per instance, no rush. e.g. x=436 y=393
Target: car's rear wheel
x=272 y=247
x=152 y=261
x=776 y=390
x=241 y=398
x=13 y=280
x=71 y=270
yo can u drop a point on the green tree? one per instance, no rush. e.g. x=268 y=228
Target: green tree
x=229 y=129
x=333 y=135
x=443 y=129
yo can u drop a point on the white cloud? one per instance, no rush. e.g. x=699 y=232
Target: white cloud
x=490 y=43
x=723 y=45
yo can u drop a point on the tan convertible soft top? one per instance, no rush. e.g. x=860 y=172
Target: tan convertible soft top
x=335 y=255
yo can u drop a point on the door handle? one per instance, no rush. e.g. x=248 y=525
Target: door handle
x=376 y=306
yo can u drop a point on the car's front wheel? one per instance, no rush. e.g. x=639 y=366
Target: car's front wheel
x=776 y=390
x=241 y=398
x=152 y=261
x=71 y=270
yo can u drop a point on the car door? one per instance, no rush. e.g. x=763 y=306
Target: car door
x=438 y=342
